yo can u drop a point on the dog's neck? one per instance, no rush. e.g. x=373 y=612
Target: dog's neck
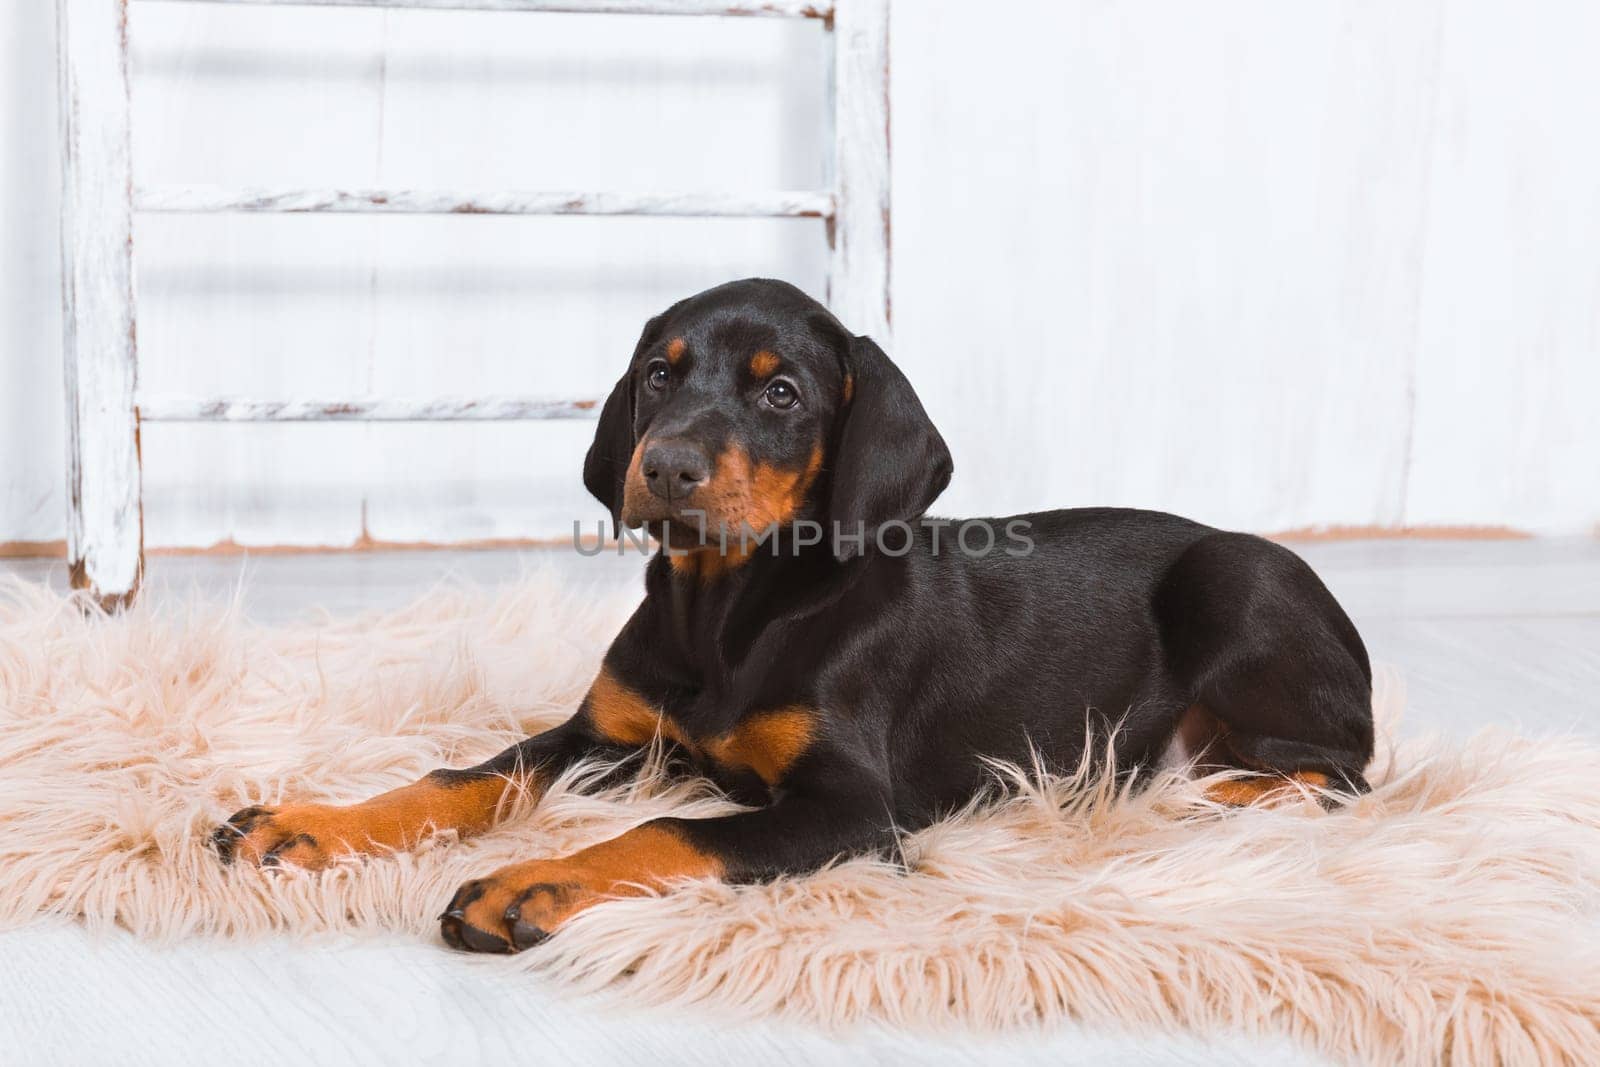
x=719 y=605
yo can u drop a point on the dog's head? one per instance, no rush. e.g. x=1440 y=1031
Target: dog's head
x=750 y=405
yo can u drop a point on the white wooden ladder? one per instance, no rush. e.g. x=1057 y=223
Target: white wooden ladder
x=105 y=520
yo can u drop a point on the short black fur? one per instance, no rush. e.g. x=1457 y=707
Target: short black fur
x=922 y=667
x=850 y=687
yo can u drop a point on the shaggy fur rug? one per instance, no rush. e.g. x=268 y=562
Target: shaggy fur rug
x=1454 y=914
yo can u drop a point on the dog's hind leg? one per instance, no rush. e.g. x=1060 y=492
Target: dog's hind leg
x=1259 y=643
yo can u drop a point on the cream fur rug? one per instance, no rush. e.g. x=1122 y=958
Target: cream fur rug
x=1452 y=915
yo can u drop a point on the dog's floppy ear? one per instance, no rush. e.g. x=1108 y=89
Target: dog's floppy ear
x=606 y=464
x=890 y=462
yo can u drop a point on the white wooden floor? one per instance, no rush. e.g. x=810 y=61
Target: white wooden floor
x=1483 y=632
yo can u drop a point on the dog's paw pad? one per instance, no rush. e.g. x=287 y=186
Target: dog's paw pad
x=513 y=909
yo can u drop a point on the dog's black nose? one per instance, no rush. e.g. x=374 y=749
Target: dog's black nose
x=672 y=469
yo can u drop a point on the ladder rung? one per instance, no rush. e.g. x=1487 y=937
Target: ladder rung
x=216 y=198
x=177 y=408
x=792 y=9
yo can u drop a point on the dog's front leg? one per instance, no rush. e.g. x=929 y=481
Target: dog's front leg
x=520 y=905
x=467 y=801
x=615 y=717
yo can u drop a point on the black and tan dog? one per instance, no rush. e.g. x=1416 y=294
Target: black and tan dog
x=853 y=688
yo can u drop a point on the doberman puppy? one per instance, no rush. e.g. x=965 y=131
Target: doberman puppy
x=823 y=652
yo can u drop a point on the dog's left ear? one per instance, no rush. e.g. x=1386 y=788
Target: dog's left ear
x=605 y=467
x=889 y=463
x=606 y=463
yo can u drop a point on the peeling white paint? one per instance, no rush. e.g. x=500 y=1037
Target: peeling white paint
x=195 y=198
x=364 y=409
x=816 y=9
x=105 y=533
x=858 y=288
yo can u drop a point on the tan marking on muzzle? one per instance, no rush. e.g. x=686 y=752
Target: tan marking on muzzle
x=636 y=495
x=744 y=497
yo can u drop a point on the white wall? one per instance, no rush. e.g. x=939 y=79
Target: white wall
x=1272 y=265
x=32 y=411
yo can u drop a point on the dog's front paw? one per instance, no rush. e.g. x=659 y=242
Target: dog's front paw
x=301 y=835
x=518 y=906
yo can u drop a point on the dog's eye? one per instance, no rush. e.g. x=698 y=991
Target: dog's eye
x=658 y=375
x=782 y=393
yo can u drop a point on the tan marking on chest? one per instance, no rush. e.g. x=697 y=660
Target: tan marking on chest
x=768 y=743
x=624 y=717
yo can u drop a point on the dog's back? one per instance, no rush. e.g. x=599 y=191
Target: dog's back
x=1108 y=628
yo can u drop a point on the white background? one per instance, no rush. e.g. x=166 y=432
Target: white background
x=1334 y=262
